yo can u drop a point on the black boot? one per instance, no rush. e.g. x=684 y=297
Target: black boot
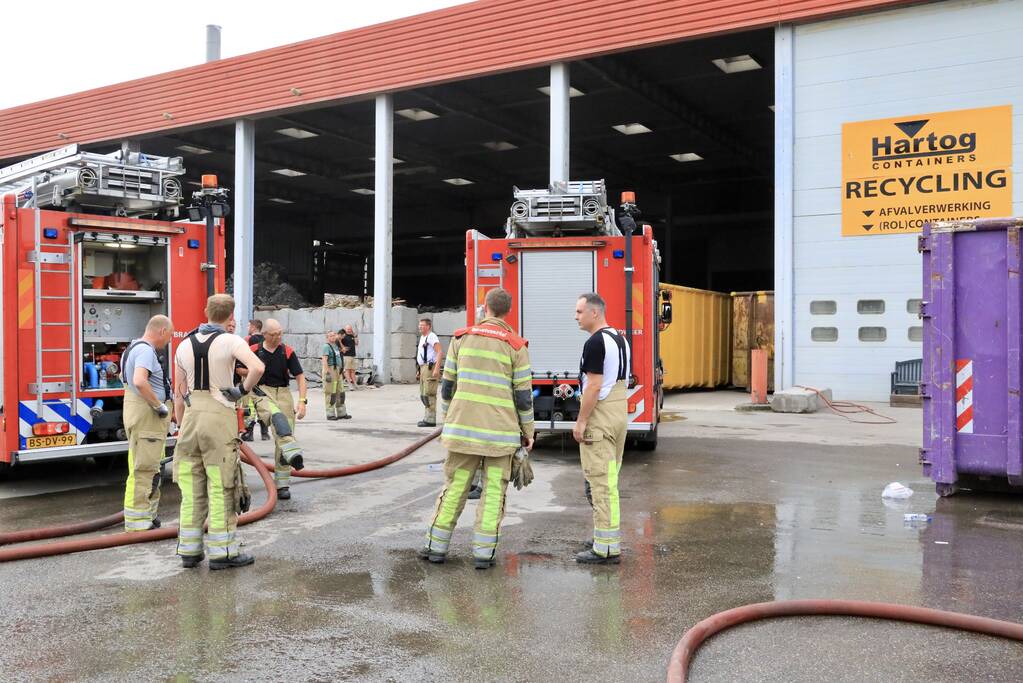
x=241 y=560
x=264 y=432
x=192 y=561
x=436 y=558
x=590 y=557
x=475 y=492
x=247 y=434
x=284 y=493
x=484 y=564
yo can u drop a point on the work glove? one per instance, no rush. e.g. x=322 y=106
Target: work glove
x=235 y=393
x=521 y=470
x=162 y=411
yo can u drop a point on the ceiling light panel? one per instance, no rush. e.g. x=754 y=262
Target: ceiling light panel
x=289 y=172
x=278 y=200
x=632 y=128
x=737 y=64
x=192 y=149
x=458 y=181
x=500 y=146
x=572 y=92
x=297 y=133
x=363 y=190
x=686 y=156
x=416 y=114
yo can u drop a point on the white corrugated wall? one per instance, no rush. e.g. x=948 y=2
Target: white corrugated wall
x=931 y=58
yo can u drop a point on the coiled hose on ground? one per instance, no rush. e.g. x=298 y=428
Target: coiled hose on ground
x=164 y=533
x=678 y=667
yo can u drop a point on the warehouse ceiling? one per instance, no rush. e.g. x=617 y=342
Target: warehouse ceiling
x=314 y=168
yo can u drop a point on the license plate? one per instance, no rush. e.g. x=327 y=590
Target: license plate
x=51 y=441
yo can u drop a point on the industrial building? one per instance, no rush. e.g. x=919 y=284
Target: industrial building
x=792 y=146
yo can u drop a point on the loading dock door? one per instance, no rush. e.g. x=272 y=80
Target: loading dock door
x=551 y=284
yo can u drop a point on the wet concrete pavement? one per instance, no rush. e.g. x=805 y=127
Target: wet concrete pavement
x=731 y=509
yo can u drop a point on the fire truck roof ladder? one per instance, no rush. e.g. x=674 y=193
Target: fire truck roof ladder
x=55 y=255
x=575 y=207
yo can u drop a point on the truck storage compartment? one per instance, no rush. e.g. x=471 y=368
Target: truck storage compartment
x=752 y=328
x=971 y=374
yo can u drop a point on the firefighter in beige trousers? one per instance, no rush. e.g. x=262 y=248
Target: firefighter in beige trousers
x=207 y=468
x=602 y=425
x=333 y=380
x=282 y=364
x=487 y=400
x=146 y=421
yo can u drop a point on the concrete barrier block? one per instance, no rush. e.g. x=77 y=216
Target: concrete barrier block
x=446 y=322
x=403 y=371
x=796 y=400
x=337 y=318
x=404 y=319
x=283 y=316
x=364 y=349
x=306 y=321
x=403 y=345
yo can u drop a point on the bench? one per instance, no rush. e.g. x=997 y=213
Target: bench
x=906 y=381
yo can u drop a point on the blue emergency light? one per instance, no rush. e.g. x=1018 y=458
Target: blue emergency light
x=50 y=233
x=618 y=253
x=193 y=244
x=496 y=256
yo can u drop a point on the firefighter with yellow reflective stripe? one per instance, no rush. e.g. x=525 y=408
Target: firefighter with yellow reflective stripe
x=206 y=461
x=146 y=377
x=602 y=425
x=487 y=397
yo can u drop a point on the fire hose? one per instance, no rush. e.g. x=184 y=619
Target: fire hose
x=362 y=467
x=678 y=666
x=164 y=533
x=129 y=538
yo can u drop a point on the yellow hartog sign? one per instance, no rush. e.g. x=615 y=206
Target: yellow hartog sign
x=899 y=173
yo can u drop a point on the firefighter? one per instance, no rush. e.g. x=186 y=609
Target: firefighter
x=487 y=399
x=429 y=358
x=255 y=336
x=333 y=382
x=147 y=416
x=206 y=463
x=601 y=426
x=277 y=407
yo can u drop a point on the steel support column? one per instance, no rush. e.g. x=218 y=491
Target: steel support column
x=244 y=218
x=784 y=208
x=382 y=237
x=560 y=124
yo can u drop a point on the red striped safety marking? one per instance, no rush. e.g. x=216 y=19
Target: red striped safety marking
x=964 y=396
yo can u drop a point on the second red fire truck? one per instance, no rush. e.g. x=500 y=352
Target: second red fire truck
x=559 y=243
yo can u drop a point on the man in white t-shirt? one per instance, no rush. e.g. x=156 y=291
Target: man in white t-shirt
x=206 y=462
x=602 y=424
x=429 y=361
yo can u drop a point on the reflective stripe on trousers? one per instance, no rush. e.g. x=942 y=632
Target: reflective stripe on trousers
x=601 y=458
x=458 y=471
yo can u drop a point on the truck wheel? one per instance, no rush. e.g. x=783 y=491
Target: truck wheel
x=5 y=469
x=946 y=490
x=648 y=442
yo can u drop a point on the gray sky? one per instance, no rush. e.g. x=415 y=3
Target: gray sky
x=62 y=47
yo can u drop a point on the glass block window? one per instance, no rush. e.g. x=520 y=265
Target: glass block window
x=823 y=308
x=873 y=334
x=824 y=334
x=870 y=306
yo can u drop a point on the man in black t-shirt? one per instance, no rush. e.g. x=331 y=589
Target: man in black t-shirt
x=348 y=340
x=281 y=366
x=255 y=337
x=602 y=424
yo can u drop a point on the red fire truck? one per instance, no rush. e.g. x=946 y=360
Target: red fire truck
x=91 y=251
x=559 y=243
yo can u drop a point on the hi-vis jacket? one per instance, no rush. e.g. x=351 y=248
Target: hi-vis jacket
x=487 y=390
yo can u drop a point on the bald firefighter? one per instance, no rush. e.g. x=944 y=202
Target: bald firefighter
x=206 y=462
x=486 y=395
x=276 y=406
x=146 y=420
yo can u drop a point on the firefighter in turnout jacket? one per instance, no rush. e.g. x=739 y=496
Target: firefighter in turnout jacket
x=486 y=395
x=206 y=462
x=276 y=406
x=147 y=416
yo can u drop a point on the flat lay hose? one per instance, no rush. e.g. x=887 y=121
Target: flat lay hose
x=678 y=666
x=165 y=533
x=362 y=467
x=129 y=538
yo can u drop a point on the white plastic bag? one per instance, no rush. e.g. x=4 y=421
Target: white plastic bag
x=897 y=491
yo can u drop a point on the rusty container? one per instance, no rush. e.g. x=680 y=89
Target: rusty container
x=752 y=328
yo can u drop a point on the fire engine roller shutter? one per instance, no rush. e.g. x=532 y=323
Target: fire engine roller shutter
x=552 y=282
